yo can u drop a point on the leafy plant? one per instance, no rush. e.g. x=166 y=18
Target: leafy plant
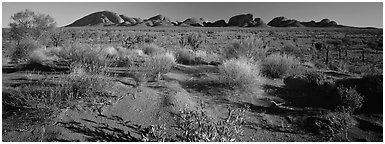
x=349 y=100
x=331 y=124
x=28 y=24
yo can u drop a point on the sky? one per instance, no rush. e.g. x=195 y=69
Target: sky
x=361 y=14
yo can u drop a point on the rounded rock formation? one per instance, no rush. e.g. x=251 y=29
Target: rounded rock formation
x=218 y=23
x=194 y=22
x=98 y=18
x=240 y=20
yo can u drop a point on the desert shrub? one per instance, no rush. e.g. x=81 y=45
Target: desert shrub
x=8 y=48
x=160 y=64
x=184 y=56
x=137 y=39
x=249 y=47
x=206 y=57
x=288 y=48
x=41 y=55
x=128 y=57
x=311 y=89
x=331 y=124
x=196 y=126
x=66 y=91
x=92 y=58
x=370 y=87
x=278 y=66
x=194 y=40
x=243 y=73
x=28 y=24
x=349 y=100
x=152 y=67
x=24 y=48
x=152 y=49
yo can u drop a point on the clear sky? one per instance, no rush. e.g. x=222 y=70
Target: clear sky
x=362 y=14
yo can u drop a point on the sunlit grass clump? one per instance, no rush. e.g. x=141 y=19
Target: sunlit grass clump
x=242 y=73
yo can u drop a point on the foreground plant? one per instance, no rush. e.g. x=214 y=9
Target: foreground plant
x=278 y=66
x=240 y=73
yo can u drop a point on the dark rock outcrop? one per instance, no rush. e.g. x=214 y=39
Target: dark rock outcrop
x=322 y=23
x=108 y=18
x=257 y=22
x=246 y=20
x=218 y=23
x=130 y=20
x=158 y=20
x=240 y=20
x=284 y=22
x=98 y=18
x=194 y=22
x=326 y=23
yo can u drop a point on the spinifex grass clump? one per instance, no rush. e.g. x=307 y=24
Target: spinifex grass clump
x=194 y=40
x=92 y=58
x=152 y=67
x=196 y=126
x=278 y=66
x=250 y=47
x=241 y=73
x=152 y=49
x=52 y=96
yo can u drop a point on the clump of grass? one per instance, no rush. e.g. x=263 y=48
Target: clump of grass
x=196 y=126
x=278 y=66
x=93 y=59
x=66 y=91
x=194 y=40
x=152 y=49
x=243 y=73
x=206 y=57
x=185 y=56
x=152 y=67
x=250 y=47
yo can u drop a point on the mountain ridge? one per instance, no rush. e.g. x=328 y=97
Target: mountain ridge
x=109 y=18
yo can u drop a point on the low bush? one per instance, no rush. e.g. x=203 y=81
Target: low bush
x=250 y=48
x=370 y=87
x=41 y=55
x=185 y=56
x=93 y=59
x=152 y=49
x=196 y=126
x=194 y=40
x=311 y=89
x=349 y=100
x=207 y=58
x=243 y=73
x=278 y=66
x=24 y=48
x=152 y=67
x=190 y=57
x=331 y=124
x=66 y=91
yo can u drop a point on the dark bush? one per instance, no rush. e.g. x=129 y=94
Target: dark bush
x=370 y=87
x=348 y=100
